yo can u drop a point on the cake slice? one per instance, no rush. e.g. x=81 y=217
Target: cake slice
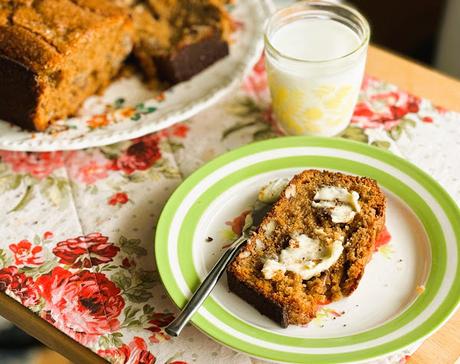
x=56 y=53
x=176 y=39
x=311 y=248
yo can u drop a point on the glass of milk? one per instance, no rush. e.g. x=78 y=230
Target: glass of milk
x=315 y=57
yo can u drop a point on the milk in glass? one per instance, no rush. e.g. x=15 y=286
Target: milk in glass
x=315 y=65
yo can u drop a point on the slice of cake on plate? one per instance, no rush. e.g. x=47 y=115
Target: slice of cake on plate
x=312 y=247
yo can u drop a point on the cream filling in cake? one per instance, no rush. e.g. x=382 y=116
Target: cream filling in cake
x=305 y=256
x=271 y=192
x=341 y=204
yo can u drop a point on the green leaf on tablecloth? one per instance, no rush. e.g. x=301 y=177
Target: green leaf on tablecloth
x=104 y=342
x=47 y=266
x=55 y=190
x=25 y=199
x=138 y=295
x=136 y=177
x=175 y=146
x=44 y=268
x=382 y=144
x=37 y=240
x=244 y=107
x=111 y=340
x=169 y=171
x=121 y=280
x=147 y=277
x=147 y=309
x=134 y=323
x=263 y=134
x=408 y=122
x=237 y=127
x=355 y=133
x=130 y=313
x=132 y=246
x=10 y=182
x=5 y=260
x=396 y=131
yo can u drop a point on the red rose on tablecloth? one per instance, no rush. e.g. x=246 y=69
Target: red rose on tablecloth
x=26 y=254
x=39 y=165
x=157 y=321
x=119 y=198
x=134 y=353
x=6 y=277
x=84 y=305
x=19 y=286
x=140 y=156
x=161 y=319
x=257 y=83
x=116 y=355
x=128 y=263
x=179 y=130
x=24 y=288
x=385 y=109
x=86 y=166
x=91 y=172
x=48 y=235
x=139 y=353
x=85 y=251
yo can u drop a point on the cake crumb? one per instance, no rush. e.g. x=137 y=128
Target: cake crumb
x=209 y=239
x=420 y=289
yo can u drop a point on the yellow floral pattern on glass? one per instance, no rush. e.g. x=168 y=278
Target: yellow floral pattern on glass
x=313 y=111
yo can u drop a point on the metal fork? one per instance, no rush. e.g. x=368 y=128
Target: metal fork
x=205 y=288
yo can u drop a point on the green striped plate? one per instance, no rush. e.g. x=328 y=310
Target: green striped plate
x=388 y=312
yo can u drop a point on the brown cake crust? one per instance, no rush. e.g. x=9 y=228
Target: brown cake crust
x=292 y=300
x=58 y=52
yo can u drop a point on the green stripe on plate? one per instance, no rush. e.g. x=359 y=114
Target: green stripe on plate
x=420 y=208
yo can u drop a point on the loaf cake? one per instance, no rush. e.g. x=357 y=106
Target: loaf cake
x=56 y=53
x=311 y=248
x=176 y=39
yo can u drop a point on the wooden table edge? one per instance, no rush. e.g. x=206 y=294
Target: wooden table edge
x=43 y=331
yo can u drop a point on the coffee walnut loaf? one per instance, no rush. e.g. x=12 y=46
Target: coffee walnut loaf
x=309 y=216
x=56 y=53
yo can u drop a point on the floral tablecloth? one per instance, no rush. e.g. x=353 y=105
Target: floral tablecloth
x=77 y=227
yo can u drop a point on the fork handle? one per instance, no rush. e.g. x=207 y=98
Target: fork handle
x=205 y=288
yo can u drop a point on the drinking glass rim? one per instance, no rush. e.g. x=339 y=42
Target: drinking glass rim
x=354 y=11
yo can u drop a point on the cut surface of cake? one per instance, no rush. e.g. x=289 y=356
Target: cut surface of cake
x=312 y=247
x=56 y=53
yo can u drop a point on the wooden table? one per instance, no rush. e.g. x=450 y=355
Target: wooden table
x=443 y=347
